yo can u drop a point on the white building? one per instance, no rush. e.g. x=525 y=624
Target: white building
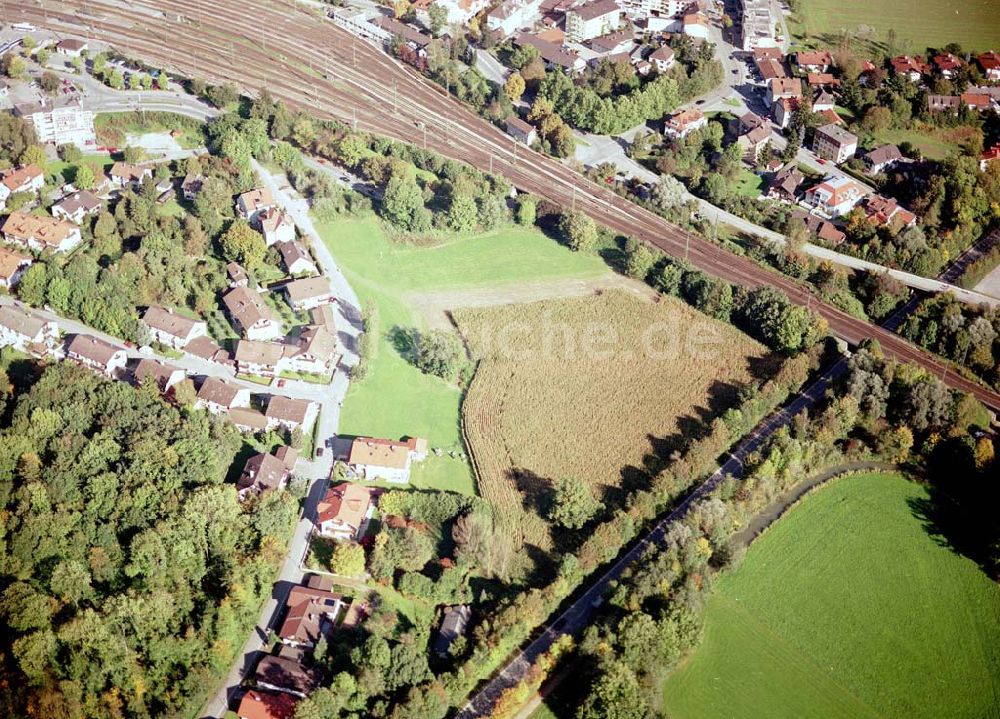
x=512 y=15
x=276 y=226
x=645 y=9
x=758 y=24
x=171 y=329
x=61 y=120
x=594 y=19
x=96 y=354
x=835 y=196
x=26 y=332
x=386 y=459
x=39 y=233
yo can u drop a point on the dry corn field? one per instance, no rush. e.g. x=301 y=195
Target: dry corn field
x=586 y=388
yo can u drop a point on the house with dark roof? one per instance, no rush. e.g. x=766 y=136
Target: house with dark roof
x=282 y=674
x=309 y=292
x=310 y=612
x=296 y=259
x=785 y=183
x=290 y=414
x=251 y=315
x=216 y=395
x=261 y=473
x=453 y=625
x=165 y=376
x=172 y=329
x=27 y=332
x=77 y=207
x=96 y=354
x=882 y=158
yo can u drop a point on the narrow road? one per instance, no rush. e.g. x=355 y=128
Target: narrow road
x=579 y=613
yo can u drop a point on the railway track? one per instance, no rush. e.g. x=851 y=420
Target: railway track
x=305 y=60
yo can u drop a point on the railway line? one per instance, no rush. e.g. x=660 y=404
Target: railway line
x=305 y=60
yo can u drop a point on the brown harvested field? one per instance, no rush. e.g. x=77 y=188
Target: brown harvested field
x=591 y=388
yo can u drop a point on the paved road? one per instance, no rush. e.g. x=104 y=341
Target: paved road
x=579 y=613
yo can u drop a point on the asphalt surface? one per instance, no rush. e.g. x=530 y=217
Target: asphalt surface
x=308 y=62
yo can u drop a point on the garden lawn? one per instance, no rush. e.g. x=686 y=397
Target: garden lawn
x=749 y=183
x=847 y=608
x=918 y=23
x=396 y=399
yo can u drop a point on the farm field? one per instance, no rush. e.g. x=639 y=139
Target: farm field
x=396 y=399
x=847 y=607
x=542 y=406
x=918 y=23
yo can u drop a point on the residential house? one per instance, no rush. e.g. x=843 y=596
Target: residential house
x=207 y=349
x=61 y=121
x=781 y=88
x=266 y=705
x=310 y=613
x=612 y=44
x=96 y=354
x=823 y=101
x=385 y=458
x=991 y=154
x=785 y=183
x=682 y=124
x=521 y=131
x=511 y=15
x=662 y=58
x=752 y=143
x=944 y=103
x=77 y=207
x=261 y=473
x=30 y=178
x=276 y=226
x=821 y=80
x=315 y=351
x=236 y=276
x=124 y=175
x=325 y=317
x=252 y=317
x=191 y=185
x=251 y=204
x=247 y=420
x=814 y=60
x=834 y=143
x=948 y=64
x=770 y=69
x=308 y=292
x=749 y=121
x=453 y=625
x=552 y=53
x=216 y=395
x=835 y=196
x=592 y=19
x=990 y=64
x=886 y=212
x=172 y=329
x=823 y=229
x=978 y=101
x=282 y=674
x=295 y=258
x=290 y=414
x=71 y=47
x=12 y=266
x=165 y=376
x=783 y=109
x=39 y=233
x=912 y=68
x=696 y=25
x=261 y=359
x=26 y=332
x=882 y=158
x=343 y=510
x=768 y=53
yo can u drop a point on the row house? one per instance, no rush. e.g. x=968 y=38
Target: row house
x=13 y=265
x=26 y=332
x=172 y=329
x=96 y=354
x=251 y=316
x=165 y=376
x=39 y=233
x=77 y=207
x=217 y=396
